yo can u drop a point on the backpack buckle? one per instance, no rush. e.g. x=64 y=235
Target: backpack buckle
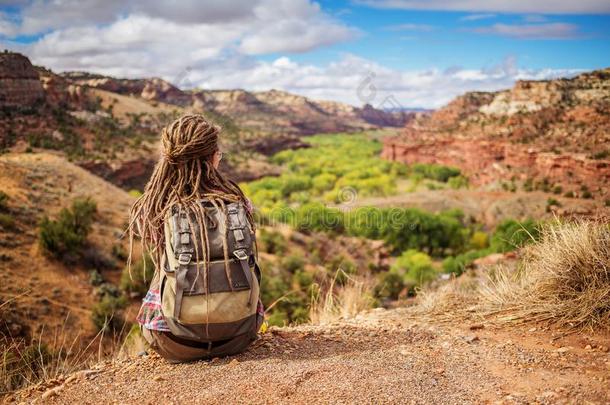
x=240 y=254
x=184 y=258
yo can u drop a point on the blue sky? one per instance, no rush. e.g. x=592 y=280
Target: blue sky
x=422 y=53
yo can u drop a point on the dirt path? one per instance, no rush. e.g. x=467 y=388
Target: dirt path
x=381 y=357
x=487 y=207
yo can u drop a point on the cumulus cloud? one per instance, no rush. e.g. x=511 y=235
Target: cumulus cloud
x=496 y=6
x=532 y=31
x=216 y=47
x=355 y=80
x=252 y=26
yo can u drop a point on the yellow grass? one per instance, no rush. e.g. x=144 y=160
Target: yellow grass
x=563 y=279
x=341 y=302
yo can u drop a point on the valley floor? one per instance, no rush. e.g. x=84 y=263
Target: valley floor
x=384 y=356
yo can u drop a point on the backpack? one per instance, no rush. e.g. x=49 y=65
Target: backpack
x=218 y=308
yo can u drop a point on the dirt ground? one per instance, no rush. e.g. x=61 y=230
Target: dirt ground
x=384 y=356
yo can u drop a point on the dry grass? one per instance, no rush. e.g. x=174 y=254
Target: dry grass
x=341 y=302
x=25 y=363
x=51 y=356
x=564 y=279
x=446 y=300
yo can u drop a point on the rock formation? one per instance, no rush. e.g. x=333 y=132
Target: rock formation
x=20 y=85
x=556 y=131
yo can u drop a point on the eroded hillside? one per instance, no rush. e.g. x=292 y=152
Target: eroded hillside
x=554 y=133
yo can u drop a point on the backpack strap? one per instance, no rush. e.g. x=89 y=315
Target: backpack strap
x=183 y=250
x=241 y=255
x=237 y=227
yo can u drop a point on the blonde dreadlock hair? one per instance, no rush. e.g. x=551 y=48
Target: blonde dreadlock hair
x=183 y=176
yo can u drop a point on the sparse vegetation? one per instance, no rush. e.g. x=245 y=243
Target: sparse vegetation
x=65 y=237
x=3 y=201
x=107 y=314
x=135 y=282
x=561 y=279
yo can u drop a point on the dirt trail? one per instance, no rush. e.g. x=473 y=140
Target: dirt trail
x=487 y=207
x=381 y=357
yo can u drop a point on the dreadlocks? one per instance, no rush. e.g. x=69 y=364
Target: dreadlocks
x=183 y=176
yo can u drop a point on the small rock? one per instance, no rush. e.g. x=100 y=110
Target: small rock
x=234 y=362
x=51 y=392
x=477 y=326
x=563 y=349
x=588 y=347
x=158 y=378
x=143 y=353
x=534 y=329
x=71 y=378
x=471 y=338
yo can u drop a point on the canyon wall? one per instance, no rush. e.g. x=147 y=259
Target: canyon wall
x=557 y=131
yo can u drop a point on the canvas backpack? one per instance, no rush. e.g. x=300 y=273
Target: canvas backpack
x=220 y=306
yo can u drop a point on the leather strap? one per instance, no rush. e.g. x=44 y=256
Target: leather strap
x=184 y=253
x=180 y=281
x=241 y=255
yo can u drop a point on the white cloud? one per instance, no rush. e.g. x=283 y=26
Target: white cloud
x=356 y=81
x=411 y=27
x=496 y=6
x=534 y=18
x=253 y=27
x=476 y=17
x=532 y=31
x=214 y=48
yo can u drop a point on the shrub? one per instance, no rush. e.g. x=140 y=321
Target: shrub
x=557 y=190
x=271 y=241
x=551 y=202
x=7 y=222
x=95 y=278
x=138 y=281
x=107 y=314
x=510 y=235
x=3 y=201
x=390 y=285
x=569 y=194
x=411 y=228
x=324 y=182
x=435 y=172
x=457 y=182
x=601 y=154
x=64 y=237
x=457 y=264
x=293 y=263
x=414 y=267
x=317 y=217
x=135 y=193
x=479 y=240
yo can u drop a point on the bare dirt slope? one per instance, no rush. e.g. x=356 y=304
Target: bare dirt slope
x=49 y=296
x=380 y=357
